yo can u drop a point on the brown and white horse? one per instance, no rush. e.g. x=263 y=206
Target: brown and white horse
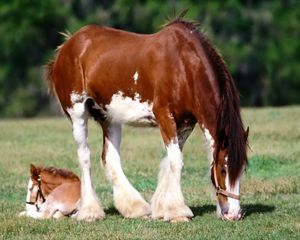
x=173 y=79
x=51 y=192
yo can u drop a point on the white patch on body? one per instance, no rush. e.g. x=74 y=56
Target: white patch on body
x=90 y=207
x=135 y=77
x=76 y=97
x=168 y=202
x=127 y=199
x=123 y=109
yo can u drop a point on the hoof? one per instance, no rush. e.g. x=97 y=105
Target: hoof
x=180 y=213
x=21 y=214
x=180 y=219
x=138 y=209
x=90 y=214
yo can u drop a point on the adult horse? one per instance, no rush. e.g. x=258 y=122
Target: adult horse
x=173 y=79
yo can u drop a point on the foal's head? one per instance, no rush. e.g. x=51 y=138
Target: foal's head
x=42 y=182
x=35 y=194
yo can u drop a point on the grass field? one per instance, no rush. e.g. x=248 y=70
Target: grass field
x=270 y=187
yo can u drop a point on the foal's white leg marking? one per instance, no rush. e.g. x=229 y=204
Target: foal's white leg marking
x=167 y=202
x=127 y=199
x=90 y=208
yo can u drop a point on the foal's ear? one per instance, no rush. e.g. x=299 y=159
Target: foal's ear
x=34 y=171
x=246 y=134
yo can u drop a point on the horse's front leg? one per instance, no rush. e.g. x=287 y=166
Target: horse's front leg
x=90 y=208
x=167 y=202
x=127 y=199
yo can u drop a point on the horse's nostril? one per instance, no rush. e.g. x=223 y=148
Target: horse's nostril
x=224 y=211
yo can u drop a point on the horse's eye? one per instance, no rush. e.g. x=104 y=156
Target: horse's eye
x=223 y=172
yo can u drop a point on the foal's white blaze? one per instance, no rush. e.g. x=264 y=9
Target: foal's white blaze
x=123 y=109
x=135 y=77
x=30 y=190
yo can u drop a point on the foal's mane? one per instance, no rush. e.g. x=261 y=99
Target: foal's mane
x=58 y=172
x=229 y=128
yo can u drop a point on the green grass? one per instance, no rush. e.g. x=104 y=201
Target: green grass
x=270 y=187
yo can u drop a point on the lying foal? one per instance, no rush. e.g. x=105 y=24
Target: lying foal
x=51 y=192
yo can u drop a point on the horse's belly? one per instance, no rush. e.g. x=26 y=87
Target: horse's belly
x=132 y=111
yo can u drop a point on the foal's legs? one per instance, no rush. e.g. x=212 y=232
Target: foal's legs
x=127 y=199
x=167 y=202
x=90 y=208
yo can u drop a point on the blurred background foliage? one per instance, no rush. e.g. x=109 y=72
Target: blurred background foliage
x=259 y=40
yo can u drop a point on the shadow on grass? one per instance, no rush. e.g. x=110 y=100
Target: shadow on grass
x=248 y=208
x=201 y=210
x=112 y=211
x=257 y=208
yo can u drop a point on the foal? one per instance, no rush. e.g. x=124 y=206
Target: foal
x=51 y=192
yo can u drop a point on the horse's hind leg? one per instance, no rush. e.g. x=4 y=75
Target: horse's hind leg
x=90 y=208
x=127 y=199
x=167 y=202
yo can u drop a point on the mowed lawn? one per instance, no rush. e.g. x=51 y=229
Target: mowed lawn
x=270 y=186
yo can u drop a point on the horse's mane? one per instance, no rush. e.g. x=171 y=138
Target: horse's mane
x=58 y=172
x=229 y=128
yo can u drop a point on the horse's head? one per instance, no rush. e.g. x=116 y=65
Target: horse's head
x=226 y=171
x=35 y=197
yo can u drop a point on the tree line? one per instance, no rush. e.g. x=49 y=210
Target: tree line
x=258 y=39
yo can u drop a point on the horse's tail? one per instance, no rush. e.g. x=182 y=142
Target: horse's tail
x=50 y=66
x=49 y=77
x=230 y=130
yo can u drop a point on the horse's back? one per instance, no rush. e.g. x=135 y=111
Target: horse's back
x=107 y=63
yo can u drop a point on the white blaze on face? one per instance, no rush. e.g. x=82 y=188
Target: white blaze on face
x=30 y=190
x=233 y=204
x=135 y=77
x=123 y=109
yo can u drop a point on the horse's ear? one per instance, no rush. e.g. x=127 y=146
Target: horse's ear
x=246 y=134
x=34 y=171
